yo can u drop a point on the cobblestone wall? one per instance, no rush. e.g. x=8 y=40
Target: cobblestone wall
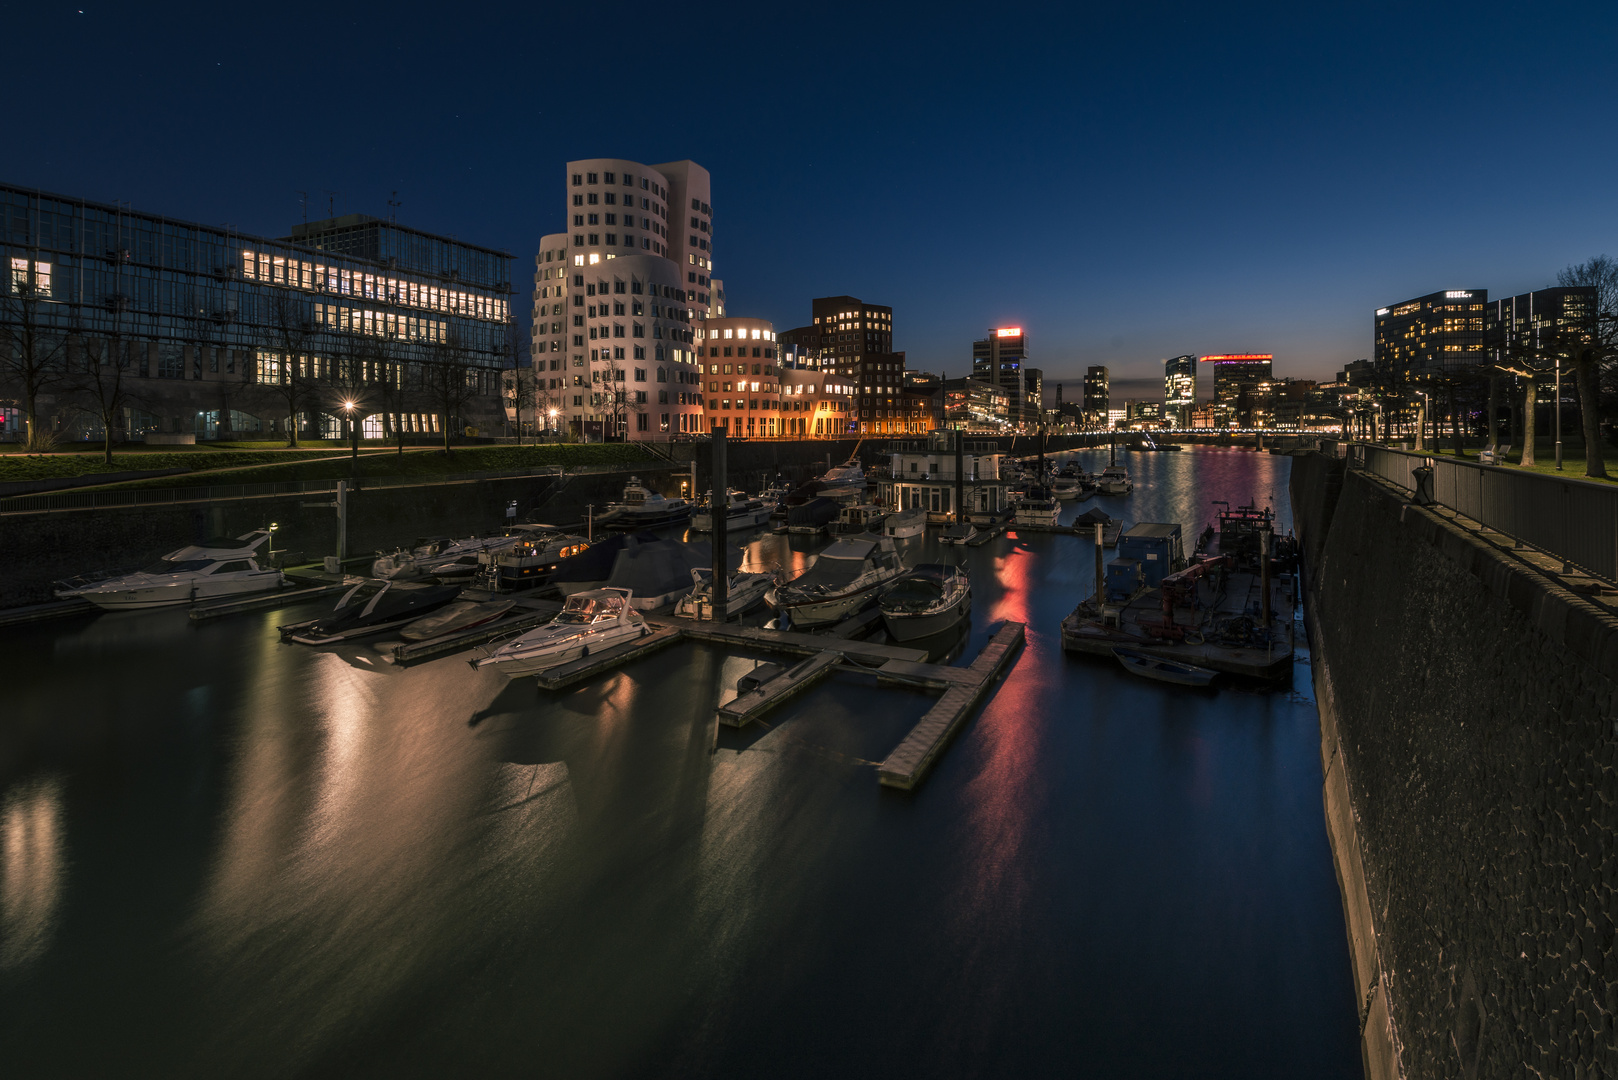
x=1468 y=733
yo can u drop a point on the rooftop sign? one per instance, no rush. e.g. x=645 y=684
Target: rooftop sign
x=1238 y=358
x=1009 y=331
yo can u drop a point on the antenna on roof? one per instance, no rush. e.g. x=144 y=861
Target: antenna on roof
x=331 y=203
x=303 y=200
x=393 y=215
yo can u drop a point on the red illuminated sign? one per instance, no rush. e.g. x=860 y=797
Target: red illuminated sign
x=1010 y=331
x=1238 y=358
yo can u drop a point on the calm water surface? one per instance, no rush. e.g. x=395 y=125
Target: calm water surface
x=227 y=856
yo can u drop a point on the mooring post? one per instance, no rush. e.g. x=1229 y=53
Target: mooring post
x=1264 y=573
x=1101 y=595
x=960 y=481
x=342 y=522
x=719 y=505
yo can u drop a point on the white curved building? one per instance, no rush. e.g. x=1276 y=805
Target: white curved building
x=619 y=300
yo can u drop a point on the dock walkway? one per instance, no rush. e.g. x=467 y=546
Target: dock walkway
x=745 y=708
x=566 y=675
x=789 y=642
x=911 y=760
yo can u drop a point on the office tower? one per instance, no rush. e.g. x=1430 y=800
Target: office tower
x=1002 y=359
x=854 y=340
x=1432 y=335
x=1243 y=383
x=1097 y=396
x=1179 y=389
x=224 y=333
x=619 y=299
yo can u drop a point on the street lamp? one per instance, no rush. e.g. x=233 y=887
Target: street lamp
x=353 y=429
x=552 y=425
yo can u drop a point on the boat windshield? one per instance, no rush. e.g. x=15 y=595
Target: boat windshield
x=186 y=566
x=585 y=609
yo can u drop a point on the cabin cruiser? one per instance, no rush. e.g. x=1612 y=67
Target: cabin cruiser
x=371 y=606
x=845 y=483
x=641 y=508
x=962 y=532
x=861 y=517
x=655 y=570
x=744 y=512
x=1114 y=480
x=928 y=600
x=742 y=593
x=1036 y=506
x=206 y=571
x=439 y=556
x=844 y=579
x=461 y=615
x=905 y=524
x=1067 y=487
x=589 y=622
x=529 y=561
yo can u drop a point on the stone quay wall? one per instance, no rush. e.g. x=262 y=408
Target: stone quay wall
x=1469 y=744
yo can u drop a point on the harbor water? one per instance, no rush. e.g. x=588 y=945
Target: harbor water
x=228 y=856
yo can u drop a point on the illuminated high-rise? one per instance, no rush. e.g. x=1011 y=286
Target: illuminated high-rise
x=620 y=298
x=1097 y=397
x=1179 y=389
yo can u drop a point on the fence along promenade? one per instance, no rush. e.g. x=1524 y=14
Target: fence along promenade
x=1571 y=519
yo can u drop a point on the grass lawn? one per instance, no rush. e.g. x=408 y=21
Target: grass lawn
x=414 y=463
x=1545 y=460
x=14 y=467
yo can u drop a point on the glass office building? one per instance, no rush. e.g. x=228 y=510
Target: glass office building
x=213 y=324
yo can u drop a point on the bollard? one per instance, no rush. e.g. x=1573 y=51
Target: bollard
x=1422 y=476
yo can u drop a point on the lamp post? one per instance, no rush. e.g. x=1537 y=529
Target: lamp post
x=353 y=429
x=1556 y=414
x=551 y=427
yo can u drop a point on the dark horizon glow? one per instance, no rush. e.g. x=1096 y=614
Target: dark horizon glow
x=1128 y=185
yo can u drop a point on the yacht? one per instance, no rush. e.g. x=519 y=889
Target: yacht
x=440 y=556
x=1067 y=487
x=843 y=580
x=744 y=512
x=641 y=508
x=206 y=571
x=1114 y=480
x=1036 y=506
x=371 y=606
x=845 y=483
x=742 y=593
x=589 y=622
x=928 y=600
x=531 y=559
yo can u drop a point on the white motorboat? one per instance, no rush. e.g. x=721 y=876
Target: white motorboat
x=1067 y=487
x=1114 y=480
x=861 y=517
x=589 y=622
x=850 y=474
x=844 y=579
x=744 y=512
x=742 y=593
x=205 y=571
x=370 y=606
x=439 y=556
x=460 y=615
x=642 y=508
x=1036 y=507
x=905 y=525
x=531 y=559
x=928 y=600
x=962 y=532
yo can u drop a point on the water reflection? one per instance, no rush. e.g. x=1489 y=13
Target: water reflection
x=33 y=860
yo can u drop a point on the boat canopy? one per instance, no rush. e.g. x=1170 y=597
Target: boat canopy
x=589 y=606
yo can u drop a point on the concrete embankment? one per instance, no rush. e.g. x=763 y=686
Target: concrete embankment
x=1467 y=706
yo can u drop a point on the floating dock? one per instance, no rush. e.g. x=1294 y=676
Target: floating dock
x=566 y=675
x=914 y=756
x=745 y=708
x=56 y=609
x=790 y=642
x=530 y=614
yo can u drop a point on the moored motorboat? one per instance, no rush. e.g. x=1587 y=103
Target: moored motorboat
x=845 y=483
x=1156 y=667
x=962 y=532
x=844 y=579
x=905 y=524
x=460 y=615
x=642 y=508
x=744 y=512
x=589 y=622
x=206 y=571
x=1036 y=507
x=371 y=606
x=537 y=552
x=1114 y=480
x=861 y=517
x=926 y=600
x=743 y=592
x=1066 y=488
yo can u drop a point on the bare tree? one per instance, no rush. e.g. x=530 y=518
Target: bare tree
x=282 y=375
x=449 y=380
x=98 y=380
x=33 y=350
x=1593 y=349
x=519 y=384
x=1526 y=360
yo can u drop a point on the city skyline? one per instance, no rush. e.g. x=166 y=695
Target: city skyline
x=1128 y=218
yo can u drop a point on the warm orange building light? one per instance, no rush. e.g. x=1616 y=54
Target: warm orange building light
x=1010 y=331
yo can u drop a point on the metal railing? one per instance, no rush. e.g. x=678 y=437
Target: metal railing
x=1571 y=519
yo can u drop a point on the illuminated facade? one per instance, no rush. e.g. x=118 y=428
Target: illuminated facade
x=214 y=325
x=1179 y=389
x=1002 y=359
x=619 y=299
x=1432 y=335
x=1242 y=383
x=1536 y=320
x=854 y=340
x=1097 y=397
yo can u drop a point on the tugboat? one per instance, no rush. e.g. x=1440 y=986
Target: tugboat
x=926 y=601
x=589 y=622
x=642 y=508
x=205 y=571
x=843 y=580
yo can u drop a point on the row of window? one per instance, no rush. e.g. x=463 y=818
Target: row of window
x=380 y=323
x=611 y=199
x=299 y=274
x=646 y=183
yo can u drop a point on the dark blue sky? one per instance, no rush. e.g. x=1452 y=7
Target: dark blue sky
x=1126 y=181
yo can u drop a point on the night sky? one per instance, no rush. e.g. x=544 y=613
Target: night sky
x=1128 y=182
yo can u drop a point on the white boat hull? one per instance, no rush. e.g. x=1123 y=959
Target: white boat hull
x=174 y=594
x=551 y=656
x=905 y=626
